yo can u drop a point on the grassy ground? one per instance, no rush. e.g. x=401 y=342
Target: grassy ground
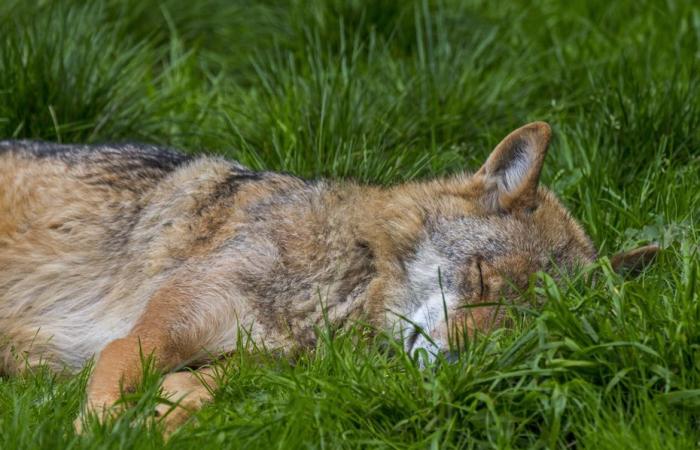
x=384 y=91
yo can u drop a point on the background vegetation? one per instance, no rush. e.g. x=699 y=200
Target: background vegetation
x=384 y=91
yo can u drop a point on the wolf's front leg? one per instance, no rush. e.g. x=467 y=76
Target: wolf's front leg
x=119 y=366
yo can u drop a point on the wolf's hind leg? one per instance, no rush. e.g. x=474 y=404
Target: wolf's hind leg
x=186 y=393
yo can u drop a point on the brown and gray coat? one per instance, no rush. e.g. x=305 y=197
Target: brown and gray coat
x=108 y=251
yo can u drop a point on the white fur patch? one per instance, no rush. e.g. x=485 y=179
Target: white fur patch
x=516 y=170
x=430 y=313
x=430 y=302
x=428 y=318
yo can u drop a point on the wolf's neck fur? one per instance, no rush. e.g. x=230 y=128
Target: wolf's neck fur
x=391 y=223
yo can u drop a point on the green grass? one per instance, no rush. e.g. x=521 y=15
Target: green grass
x=384 y=91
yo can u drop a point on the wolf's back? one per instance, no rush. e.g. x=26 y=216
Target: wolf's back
x=130 y=166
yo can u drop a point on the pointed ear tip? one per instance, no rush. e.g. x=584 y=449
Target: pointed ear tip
x=540 y=124
x=538 y=133
x=649 y=249
x=543 y=128
x=654 y=246
x=635 y=259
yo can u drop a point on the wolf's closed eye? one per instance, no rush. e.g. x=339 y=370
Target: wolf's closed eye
x=475 y=283
x=481 y=279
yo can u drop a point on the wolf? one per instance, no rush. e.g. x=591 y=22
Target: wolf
x=114 y=252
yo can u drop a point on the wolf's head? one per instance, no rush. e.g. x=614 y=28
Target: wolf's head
x=485 y=235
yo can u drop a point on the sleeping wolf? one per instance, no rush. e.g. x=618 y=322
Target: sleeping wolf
x=120 y=251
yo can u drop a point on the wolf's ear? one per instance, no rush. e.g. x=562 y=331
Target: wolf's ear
x=633 y=261
x=512 y=171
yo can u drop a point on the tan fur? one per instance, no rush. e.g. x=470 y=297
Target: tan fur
x=124 y=251
x=186 y=392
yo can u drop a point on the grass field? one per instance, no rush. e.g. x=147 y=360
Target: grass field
x=384 y=91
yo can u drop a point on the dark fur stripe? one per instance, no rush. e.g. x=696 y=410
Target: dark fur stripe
x=112 y=155
x=228 y=187
x=133 y=167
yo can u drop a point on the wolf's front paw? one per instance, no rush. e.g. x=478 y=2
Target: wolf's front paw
x=103 y=408
x=184 y=394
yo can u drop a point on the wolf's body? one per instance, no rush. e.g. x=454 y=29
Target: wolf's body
x=90 y=234
x=105 y=251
